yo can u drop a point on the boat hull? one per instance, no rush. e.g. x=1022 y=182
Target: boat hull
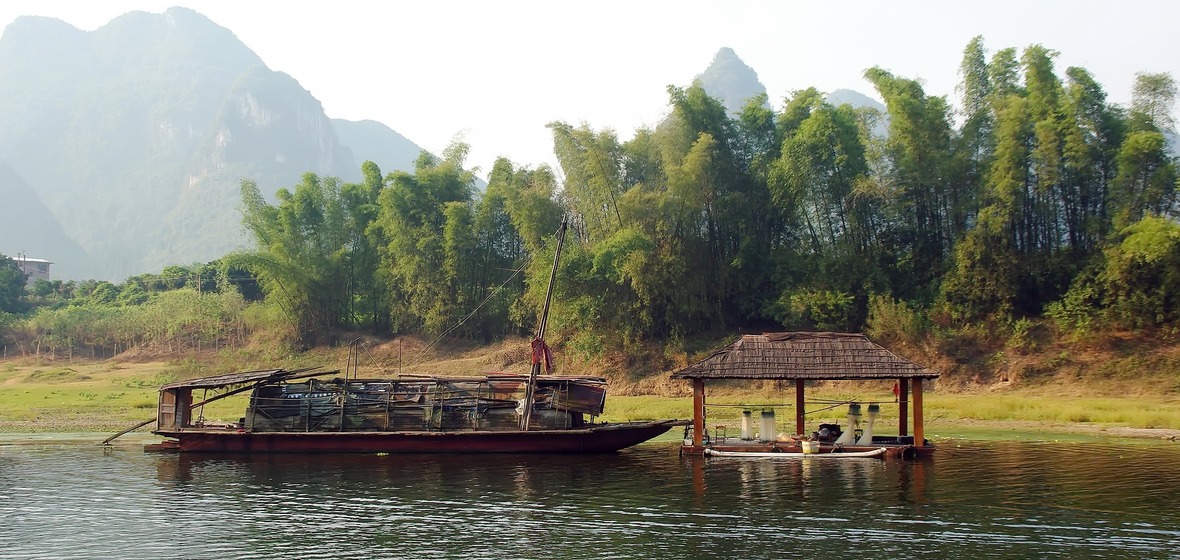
x=878 y=453
x=603 y=438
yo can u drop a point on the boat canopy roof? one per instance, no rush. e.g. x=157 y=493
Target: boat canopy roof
x=523 y=377
x=270 y=376
x=265 y=376
x=804 y=355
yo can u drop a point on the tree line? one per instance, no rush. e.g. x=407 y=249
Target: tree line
x=1033 y=196
x=1036 y=196
x=183 y=308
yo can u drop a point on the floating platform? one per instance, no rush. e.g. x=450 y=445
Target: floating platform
x=833 y=454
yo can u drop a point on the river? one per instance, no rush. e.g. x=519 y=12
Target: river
x=67 y=498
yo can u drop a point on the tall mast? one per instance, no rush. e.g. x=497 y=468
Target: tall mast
x=530 y=389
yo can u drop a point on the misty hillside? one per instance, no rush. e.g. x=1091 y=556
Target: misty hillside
x=375 y=142
x=26 y=213
x=136 y=136
x=854 y=98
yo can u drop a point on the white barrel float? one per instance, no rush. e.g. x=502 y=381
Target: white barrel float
x=849 y=434
x=867 y=437
x=767 y=430
x=747 y=425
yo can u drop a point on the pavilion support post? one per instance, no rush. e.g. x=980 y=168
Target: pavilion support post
x=800 y=427
x=903 y=405
x=698 y=413
x=919 y=435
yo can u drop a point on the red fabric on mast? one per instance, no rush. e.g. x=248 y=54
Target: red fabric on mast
x=541 y=351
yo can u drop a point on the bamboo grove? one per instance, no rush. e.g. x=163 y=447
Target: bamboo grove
x=1029 y=195
x=1035 y=196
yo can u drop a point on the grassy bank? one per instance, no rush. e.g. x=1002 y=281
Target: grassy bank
x=111 y=395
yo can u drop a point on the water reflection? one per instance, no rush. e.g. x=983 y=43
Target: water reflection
x=977 y=500
x=800 y=481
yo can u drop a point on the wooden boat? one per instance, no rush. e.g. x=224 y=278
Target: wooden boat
x=878 y=452
x=291 y=412
x=311 y=410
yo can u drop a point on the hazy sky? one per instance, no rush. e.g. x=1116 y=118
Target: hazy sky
x=496 y=72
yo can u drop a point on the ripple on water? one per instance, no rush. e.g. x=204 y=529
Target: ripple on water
x=985 y=500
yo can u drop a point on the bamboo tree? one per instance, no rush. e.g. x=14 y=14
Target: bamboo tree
x=592 y=165
x=411 y=222
x=366 y=308
x=1094 y=131
x=919 y=155
x=302 y=245
x=975 y=143
x=984 y=279
x=1146 y=180
x=1040 y=219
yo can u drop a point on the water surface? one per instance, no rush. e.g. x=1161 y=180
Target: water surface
x=62 y=498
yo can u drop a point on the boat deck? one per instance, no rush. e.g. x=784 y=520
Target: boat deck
x=895 y=447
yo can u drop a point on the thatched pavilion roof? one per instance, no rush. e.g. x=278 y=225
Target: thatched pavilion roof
x=804 y=355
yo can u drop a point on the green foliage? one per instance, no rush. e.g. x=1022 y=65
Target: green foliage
x=919 y=173
x=815 y=176
x=1135 y=285
x=411 y=223
x=894 y=320
x=178 y=319
x=1021 y=335
x=619 y=272
x=1045 y=194
x=133 y=294
x=12 y=286
x=1152 y=99
x=308 y=247
x=822 y=310
x=1079 y=309
x=982 y=283
x=1146 y=181
x=1093 y=132
x=592 y=166
x=1142 y=274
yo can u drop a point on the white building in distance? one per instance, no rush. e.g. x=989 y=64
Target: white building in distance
x=34 y=269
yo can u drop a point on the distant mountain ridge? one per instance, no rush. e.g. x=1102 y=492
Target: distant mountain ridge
x=730 y=81
x=135 y=137
x=123 y=148
x=856 y=99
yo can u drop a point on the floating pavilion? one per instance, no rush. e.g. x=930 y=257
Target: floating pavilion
x=803 y=357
